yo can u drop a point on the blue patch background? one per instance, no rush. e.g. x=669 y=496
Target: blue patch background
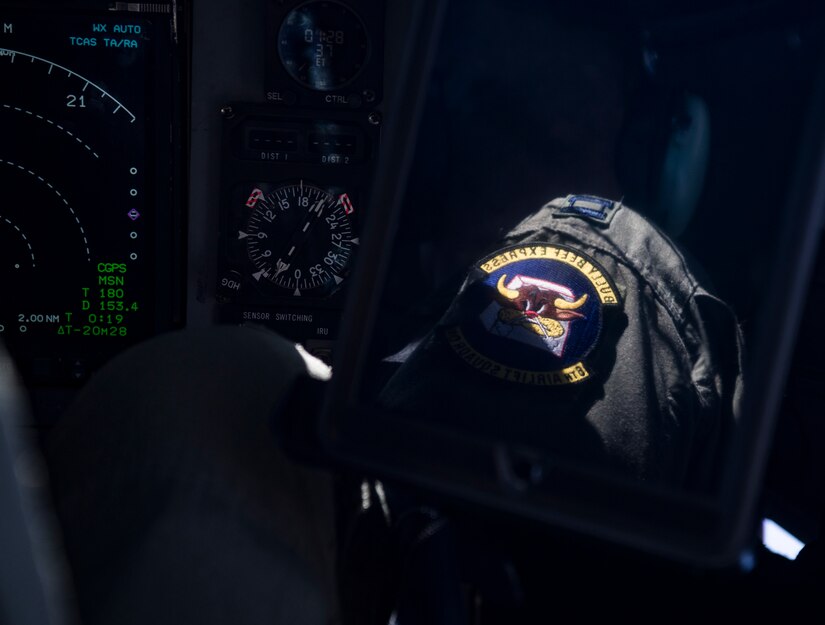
x=583 y=334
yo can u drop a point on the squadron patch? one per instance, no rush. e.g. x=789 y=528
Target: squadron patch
x=532 y=314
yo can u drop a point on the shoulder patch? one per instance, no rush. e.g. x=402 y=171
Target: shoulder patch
x=532 y=315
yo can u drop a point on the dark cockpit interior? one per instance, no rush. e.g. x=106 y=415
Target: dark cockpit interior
x=371 y=312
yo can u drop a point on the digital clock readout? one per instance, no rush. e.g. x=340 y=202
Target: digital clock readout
x=323 y=45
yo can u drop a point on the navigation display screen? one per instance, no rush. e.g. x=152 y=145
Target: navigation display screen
x=82 y=185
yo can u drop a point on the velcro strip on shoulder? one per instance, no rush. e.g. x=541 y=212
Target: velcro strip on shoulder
x=590 y=207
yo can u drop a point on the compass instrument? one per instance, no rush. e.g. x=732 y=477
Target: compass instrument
x=299 y=238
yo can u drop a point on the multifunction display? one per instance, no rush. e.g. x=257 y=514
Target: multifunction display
x=79 y=204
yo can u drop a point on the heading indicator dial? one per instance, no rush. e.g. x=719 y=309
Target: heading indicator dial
x=299 y=238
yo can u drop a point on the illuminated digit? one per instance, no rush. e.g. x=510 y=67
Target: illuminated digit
x=73 y=101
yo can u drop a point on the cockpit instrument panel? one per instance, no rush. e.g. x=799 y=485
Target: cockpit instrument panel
x=86 y=161
x=295 y=184
x=296 y=171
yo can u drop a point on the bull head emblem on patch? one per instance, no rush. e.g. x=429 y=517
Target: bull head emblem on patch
x=537 y=306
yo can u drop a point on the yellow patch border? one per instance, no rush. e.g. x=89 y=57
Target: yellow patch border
x=604 y=289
